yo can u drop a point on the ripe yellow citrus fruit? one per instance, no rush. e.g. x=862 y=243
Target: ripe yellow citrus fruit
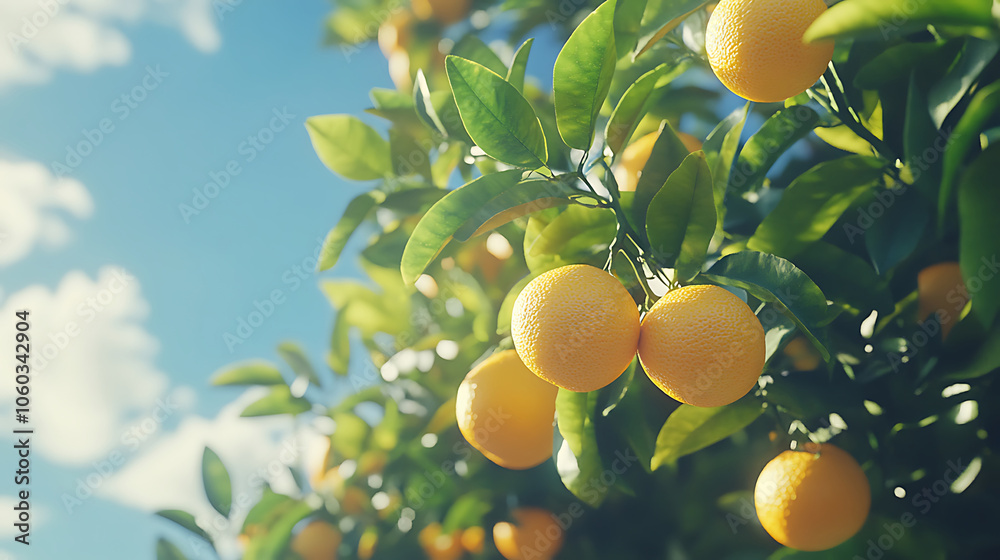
x=755 y=47
x=813 y=499
x=317 y=541
x=803 y=355
x=474 y=539
x=445 y=11
x=702 y=346
x=576 y=327
x=535 y=535
x=506 y=412
x=940 y=290
x=438 y=545
x=636 y=154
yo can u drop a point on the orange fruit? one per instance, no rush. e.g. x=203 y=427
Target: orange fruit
x=702 y=346
x=445 y=11
x=395 y=34
x=317 y=541
x=803 y=355
x=474 y=539
x=438 y=545
x=636 y=154
x=940 y=289
x=575 y=327
x=755 y=47
x=536 y=534
x=506 y=412
x=813 y=499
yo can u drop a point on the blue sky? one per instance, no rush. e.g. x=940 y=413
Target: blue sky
x=210 y=85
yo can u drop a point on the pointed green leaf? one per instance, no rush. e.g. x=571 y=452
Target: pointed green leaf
x=681 y=218
x=440 y=223
x=666 y=156
x=692 y=428
x=979 y=244
x=424 y=105
x=408 y=156
x=774 y=279
x=185 y=520
x=520 y=200
x=497 y=117
x=278 y=401
x=296 y=359
x=349 y=147
x=582 y=76
x=215 y=479
x=635 y=102
x=471 y=47
x=894 y=236
x=578 y=460
x=662 y=17
x=519 y=66
x=951 y=89
x=814 y=202
x=846 y=278
x=254 y=372
x=984 y=105
x=628 y=24
x=166 y=550
x=725 y=141
x=893 y=64
x=776 y=135
x=886 y=18
x=357 y=211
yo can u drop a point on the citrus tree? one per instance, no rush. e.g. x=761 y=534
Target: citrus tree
x=765 y=333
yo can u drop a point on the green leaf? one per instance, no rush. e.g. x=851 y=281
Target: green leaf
x=893 y=64
x=349 y=147
x=274 y=543
x=357 y=211
x=662 y=17
x=338 y=358
x=524 y=198
x=982 y=361
x=577 y=235
x=983 y=106
x=891 y=238
x=635 y=102
x=166 y=550
x=578 y=460
x=776 y=135
x=613 y=394
x=666 y=156
x=254 y=372
x=629 y=416
x=440 y=223
x=979 y=244
x=681 y=218
x=424 y=105
x=945 y=95
x=691 y=428
x=349 y=437
x=519 y=66
x=846 y=278
x=582 y=76
x=887 y=18
x=278 y=401
x=774 y=279
x=628 y=24
x=497 y=117
x=814 y=202
x=408 y=156
x=296 y=359
x=725 y=141
x=185 y=520
x=467 y=511
x=215 y=478
x=471 y=47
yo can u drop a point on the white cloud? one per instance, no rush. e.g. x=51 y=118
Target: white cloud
x=166 y=473
x=93 y=376
x=42 y=36
x=32 y=205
